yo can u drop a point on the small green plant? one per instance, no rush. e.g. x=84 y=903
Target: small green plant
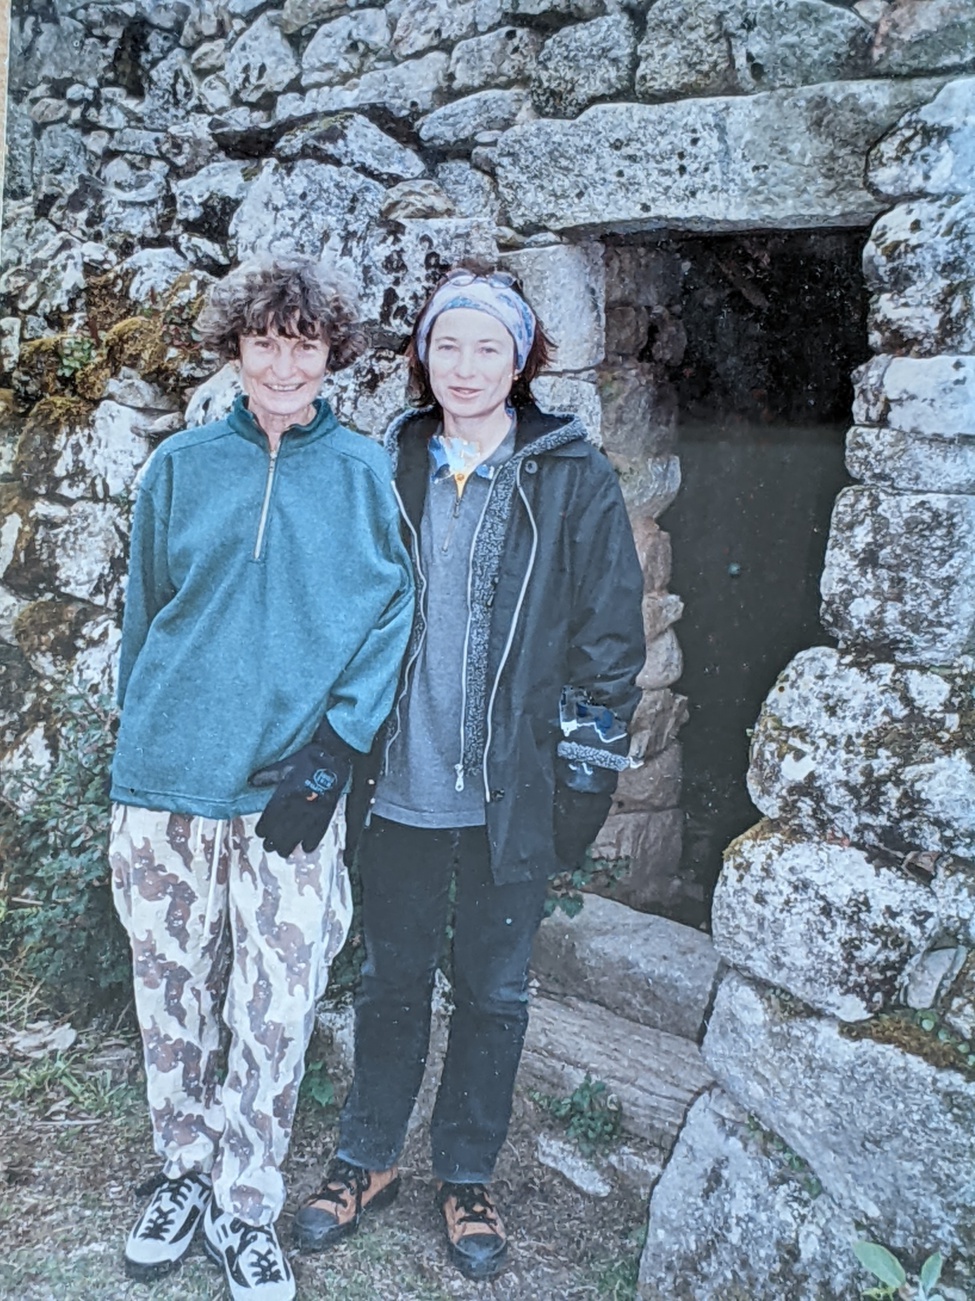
x=317 y=1086
x=64 y=1083
x=57 y=919
x=565 y=889
x=617 y=1279
x=892 y=1276
x=591 y=1115
x=76 y=351
x=929 y=1020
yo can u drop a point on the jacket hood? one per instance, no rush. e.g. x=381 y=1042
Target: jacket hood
x=538 y=431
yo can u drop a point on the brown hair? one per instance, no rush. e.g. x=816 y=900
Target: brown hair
x=287 y=295
x=418 y=390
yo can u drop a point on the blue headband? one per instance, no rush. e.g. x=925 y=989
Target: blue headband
x=482 y=294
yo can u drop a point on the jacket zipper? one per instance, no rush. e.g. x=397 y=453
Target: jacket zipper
x=459 y=767
x=511 y=632
x=451 y=526
x=265 y=505
x=411 y=663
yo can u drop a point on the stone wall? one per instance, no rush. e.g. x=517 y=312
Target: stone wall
x=151 y=143
x=841 y=1041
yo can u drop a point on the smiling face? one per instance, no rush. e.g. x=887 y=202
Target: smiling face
x=471 y=363
x=281 y=376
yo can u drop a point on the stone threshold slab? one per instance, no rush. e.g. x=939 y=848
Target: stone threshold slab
x=655 y=1075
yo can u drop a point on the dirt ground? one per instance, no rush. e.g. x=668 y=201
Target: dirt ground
x=75 y=1145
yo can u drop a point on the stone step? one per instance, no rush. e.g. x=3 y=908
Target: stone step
x=654 y=1074
x=646 y=968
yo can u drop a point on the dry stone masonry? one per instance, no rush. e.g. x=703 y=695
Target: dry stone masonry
x=153 y=143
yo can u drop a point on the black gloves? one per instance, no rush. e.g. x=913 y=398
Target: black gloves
x=309 y=785
x=578 y=818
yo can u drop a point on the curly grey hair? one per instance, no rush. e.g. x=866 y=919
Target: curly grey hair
x=289 y=295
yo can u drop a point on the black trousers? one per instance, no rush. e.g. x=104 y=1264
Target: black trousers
x=406 y=874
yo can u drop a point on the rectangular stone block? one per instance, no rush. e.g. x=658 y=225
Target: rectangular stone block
x=74 y=550
x=876 y=753
x=887 y=1133
x=920 y=264
x=898 y=579
x=931 y=149
x=933 y=396
x=639 y=413
x=638 y=275
x=575 y=396
x=74 y=451
x=729 y=1220
x=658 y=718
x=888 y=458
x=664 y=663
x=403 y=262
x=655 y=1075
x=462 y=120
x=660 y=611
x=654 y=785
x=496 y=59
x=654 y=552
x=819 y=919
x=651 y=842
x=646 y=968
x=783 y=159
x=565 y=284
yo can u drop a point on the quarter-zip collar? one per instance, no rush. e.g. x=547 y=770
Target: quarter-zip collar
x=294 y=438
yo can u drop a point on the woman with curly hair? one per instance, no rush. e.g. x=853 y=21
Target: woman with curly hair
x=268 y=606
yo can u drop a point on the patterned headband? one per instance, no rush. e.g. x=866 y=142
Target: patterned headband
x=493 y=294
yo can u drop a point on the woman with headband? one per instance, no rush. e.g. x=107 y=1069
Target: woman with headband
x=497 y=766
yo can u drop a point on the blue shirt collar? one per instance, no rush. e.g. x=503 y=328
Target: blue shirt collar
x=486 y=469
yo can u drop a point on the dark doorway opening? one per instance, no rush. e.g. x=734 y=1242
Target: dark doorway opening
x=775 y=323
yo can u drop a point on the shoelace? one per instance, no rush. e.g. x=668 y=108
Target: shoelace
x=159 y=1223
x=263 y=1266
x=474 y=1205
x=350 y=1179
x=161 y=1220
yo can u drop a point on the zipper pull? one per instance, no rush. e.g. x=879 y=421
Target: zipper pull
x=459 y=770
x=448 y=535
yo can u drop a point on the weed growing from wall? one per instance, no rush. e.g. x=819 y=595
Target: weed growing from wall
x=892 y=1277
x=565 y=889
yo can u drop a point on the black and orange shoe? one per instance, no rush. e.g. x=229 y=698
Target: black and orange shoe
x=476 y=1237
x=334 y=1211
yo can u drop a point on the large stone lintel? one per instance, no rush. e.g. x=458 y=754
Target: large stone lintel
x=783 y=160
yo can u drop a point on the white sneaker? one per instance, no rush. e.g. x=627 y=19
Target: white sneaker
x=255 y=1266
x=163 y=1232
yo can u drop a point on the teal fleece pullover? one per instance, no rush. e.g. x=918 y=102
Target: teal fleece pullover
x=263 y=593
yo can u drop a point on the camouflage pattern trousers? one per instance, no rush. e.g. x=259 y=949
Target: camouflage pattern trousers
x=226 y=935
